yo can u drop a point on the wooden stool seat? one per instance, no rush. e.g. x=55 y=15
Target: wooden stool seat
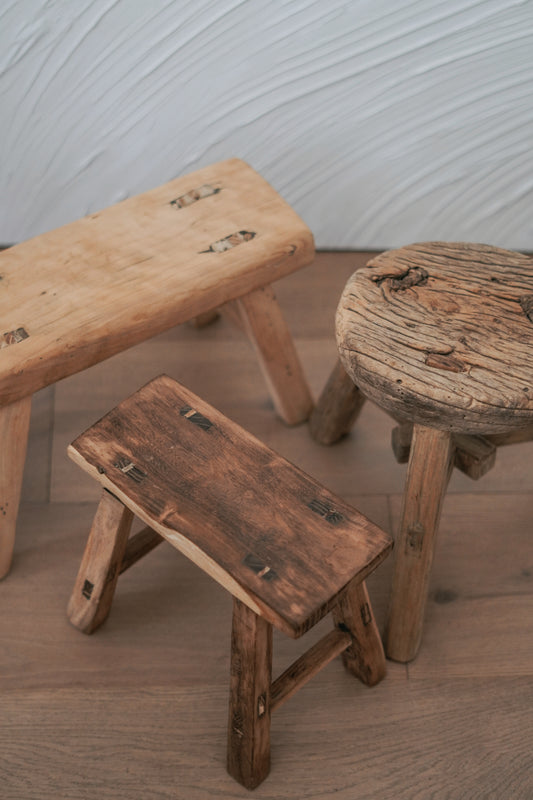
x=440 y=335
x=288 y=550
x=76 y=295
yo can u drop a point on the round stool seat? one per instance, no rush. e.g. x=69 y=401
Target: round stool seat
x=442 y=334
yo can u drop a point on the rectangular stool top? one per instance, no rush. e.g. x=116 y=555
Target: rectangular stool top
x=78 y=294
x=272 y=535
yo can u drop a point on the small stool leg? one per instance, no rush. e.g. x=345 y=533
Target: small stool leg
x=430 y=465
x=249 y=709
x=337 y=409
x=265 y=326
x=365 y=657
x=14 y=426
x=95 y=585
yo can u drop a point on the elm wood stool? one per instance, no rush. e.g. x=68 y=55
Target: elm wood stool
x=441 y=336
x=287 y=549
x=79 y=294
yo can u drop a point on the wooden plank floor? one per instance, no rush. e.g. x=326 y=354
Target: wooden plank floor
x=138 y=710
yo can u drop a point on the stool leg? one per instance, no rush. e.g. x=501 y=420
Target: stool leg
x=14 y=426
x=430 y=465
x=265 y=326
x=365 y=657
x=249 y=709
x=337 y=409
x=95 y=585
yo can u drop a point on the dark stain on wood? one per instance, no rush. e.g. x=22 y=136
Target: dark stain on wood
x=414 y=276
x=196 y=418
x=325 y=511
x=258 y=566
x=230 y=241
x=14 y=337
x=446 y=362
x=87 y=589
x=130 y=469
x=526 y=303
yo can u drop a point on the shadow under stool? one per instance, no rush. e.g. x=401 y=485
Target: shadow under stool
x=75 y=296
x=440 y=335
x=287 y=549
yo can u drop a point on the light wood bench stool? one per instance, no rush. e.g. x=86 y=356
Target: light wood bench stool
x=286 y=548
x=79 y=294
x=440 y=335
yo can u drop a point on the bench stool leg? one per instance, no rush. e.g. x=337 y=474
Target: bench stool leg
x=337 y=409
x=95 y=585
x=14 y=426
x=262 y=320
x=430 y=465
x=249 y=709
x=365 y=657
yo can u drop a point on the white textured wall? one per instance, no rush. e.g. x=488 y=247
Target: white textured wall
x=382 y=121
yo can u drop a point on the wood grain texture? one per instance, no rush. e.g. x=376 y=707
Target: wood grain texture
x=273 y=536
x=265 y=326
x=92 y=596
x=459 y=716
x=337 y=409
x=308 y=665
x=365 y=657
x=248 y=759
x=119 y=276
x=430 y=463
x=438 y=333
x=14 y=427
x=380 y=122
x=473 y=455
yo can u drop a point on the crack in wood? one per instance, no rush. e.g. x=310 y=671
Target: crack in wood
x=526 y=304
x=447 y=362
x=207 y=190
x=233 y=240
x=413 y=276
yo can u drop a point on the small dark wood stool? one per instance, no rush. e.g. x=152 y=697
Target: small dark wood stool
x=287 y=549
x=441 y=336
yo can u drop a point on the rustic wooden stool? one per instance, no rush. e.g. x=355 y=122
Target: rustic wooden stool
x=79 y=294
x=287 y=549
x=441 y=336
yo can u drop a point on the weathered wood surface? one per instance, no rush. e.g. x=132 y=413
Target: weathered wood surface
x=119 y=276
x=248 y=756
x=365 y=658
x=430 y=464
x=262 y=321
x=442 y=334
x=308 y=665
x=273 y=536
x=92 y=596
x=337 y=409
x=14 y=426
x=473 y=455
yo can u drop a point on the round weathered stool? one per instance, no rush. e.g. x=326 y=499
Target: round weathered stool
x=441 y=336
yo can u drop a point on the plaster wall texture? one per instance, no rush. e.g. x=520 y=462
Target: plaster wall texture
x=382 y=121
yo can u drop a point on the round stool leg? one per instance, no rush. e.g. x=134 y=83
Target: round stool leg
x=337 y=409
x=430 y=464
